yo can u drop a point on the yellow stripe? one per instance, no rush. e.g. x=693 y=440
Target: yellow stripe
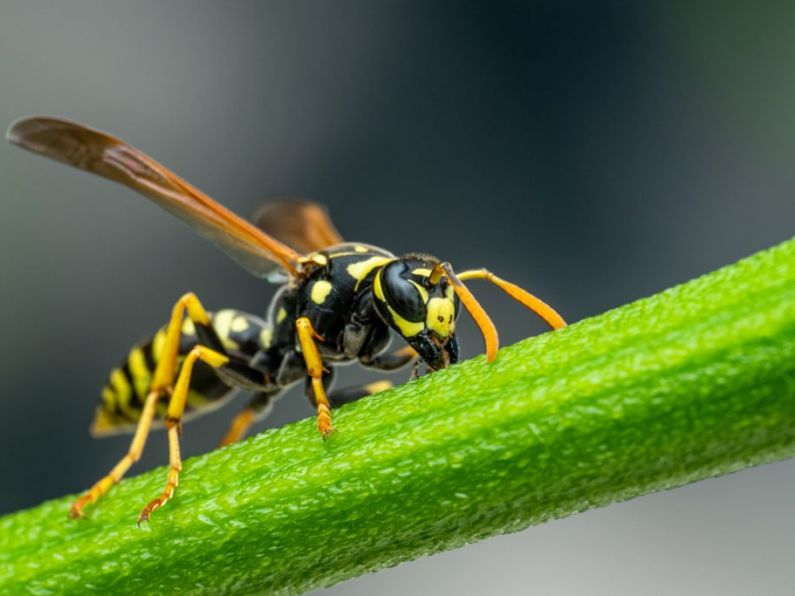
x=104 y=421
x=141 y=375
x=108 y=399
x=222 y=322
x=362 y=269
x=406 y=328
x=239 y=324
x=123 y=393
x=379 y=293
x=423 y=292
x=196 y=399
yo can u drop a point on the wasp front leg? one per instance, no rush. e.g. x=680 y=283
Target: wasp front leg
x=391 y=360
x=314 y=368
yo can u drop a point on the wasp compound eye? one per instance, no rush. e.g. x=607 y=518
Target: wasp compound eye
x=403 y=294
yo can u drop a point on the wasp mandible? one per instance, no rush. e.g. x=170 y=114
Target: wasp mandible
x=337 y=305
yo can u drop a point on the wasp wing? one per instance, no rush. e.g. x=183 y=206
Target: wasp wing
x=105 y=155
x=302 y=225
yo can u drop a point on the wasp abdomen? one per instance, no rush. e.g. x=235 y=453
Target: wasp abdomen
x=128 y=384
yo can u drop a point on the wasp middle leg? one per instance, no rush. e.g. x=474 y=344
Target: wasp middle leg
x=256 y=409
x=340 y=397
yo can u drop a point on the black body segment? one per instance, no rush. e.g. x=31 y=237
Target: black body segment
x=335 y=294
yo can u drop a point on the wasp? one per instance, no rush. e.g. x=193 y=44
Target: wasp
x=338 y=303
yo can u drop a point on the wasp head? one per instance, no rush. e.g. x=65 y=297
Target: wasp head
x=421 y=310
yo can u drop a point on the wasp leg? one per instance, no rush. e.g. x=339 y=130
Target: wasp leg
x=541 y=308
x=166 y=370
x=161 y=384
x=133 y=455
x=314 y=368
x=259 y=407
x=340 y=397
x=176 y=406
x=391 y=360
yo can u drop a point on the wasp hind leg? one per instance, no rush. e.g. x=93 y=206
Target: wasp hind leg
x=160 y=388
x=133 y=455
x=176 y=407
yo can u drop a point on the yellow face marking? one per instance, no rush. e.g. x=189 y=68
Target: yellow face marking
x=141 y=375
x=440 y=316
x=449 y=292
x=360 y=248
x=421 y=271
x=320 y=291
x=281 y=315
x=239 y=324
x=361 y=269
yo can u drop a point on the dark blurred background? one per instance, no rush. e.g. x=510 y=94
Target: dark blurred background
x=592 y=152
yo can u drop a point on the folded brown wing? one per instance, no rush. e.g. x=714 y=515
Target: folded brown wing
x=107 y=156
x=300 y=224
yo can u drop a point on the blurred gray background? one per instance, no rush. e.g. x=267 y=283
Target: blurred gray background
x=592 y=152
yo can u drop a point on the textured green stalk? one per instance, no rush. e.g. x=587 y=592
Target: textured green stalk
x=691 y=383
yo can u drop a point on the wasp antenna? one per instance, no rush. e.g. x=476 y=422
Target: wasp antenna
x=538 y=306
x=474 y=308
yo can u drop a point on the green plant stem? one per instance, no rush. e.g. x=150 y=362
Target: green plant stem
x=691 y=383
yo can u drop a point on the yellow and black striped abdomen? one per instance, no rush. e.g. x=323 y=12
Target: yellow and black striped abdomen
x=128 y=384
